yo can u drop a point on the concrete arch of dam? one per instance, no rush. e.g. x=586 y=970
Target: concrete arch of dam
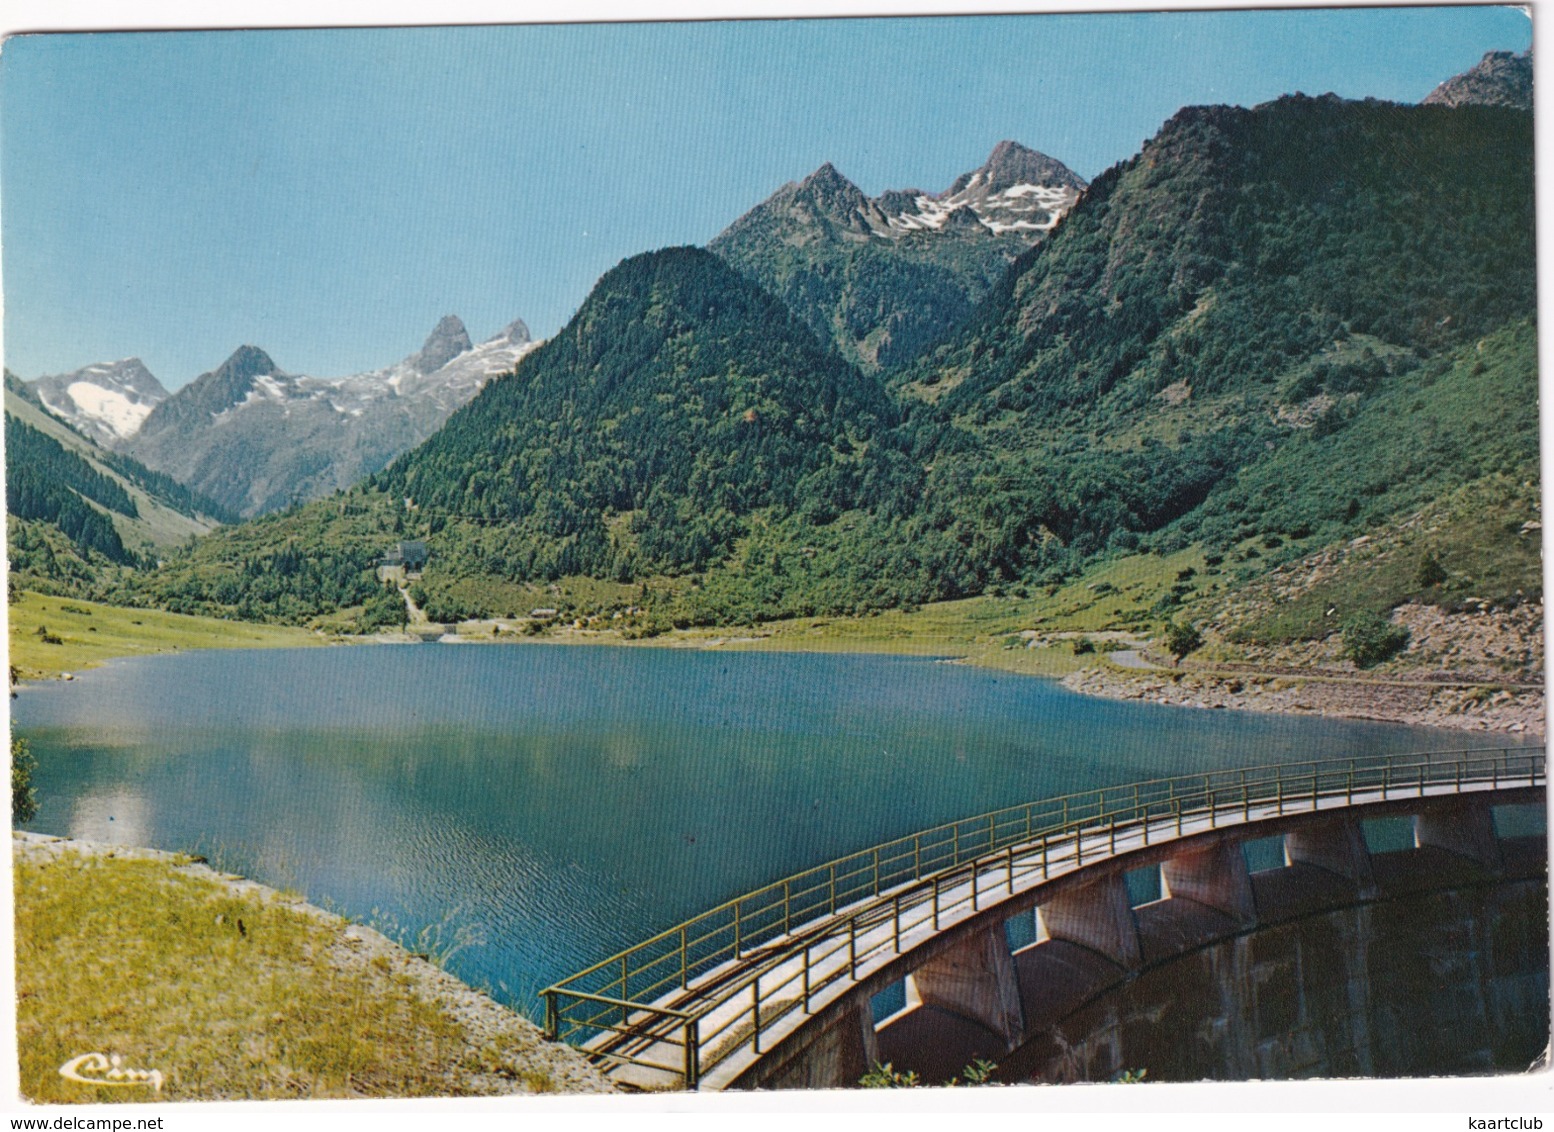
x=1431 y=958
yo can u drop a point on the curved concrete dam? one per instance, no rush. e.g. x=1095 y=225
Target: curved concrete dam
x=1014 y=940
x=1437 y=964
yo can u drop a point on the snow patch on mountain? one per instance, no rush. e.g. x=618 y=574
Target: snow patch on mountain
x=1020 y=208
x=109 y=406
x=110 y=401
x=266 y=387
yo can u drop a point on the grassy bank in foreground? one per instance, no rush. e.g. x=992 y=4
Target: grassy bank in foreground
x=53 y=635
x=229 y=991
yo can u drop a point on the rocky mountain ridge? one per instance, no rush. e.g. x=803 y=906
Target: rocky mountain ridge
x=1017 y=190
x=1121 y=389
x=1500 y=78
x=882 y=277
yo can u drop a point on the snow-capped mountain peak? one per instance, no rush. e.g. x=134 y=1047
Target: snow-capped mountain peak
x=247 y=377
x=447 y=341
x=1498 y=79
x=454 y=380
x=106 y=401
x=111 y=401
x=1017 y=190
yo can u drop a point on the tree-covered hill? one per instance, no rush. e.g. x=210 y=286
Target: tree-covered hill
x=680 y=408
x=678 y=402
x=1239 y=243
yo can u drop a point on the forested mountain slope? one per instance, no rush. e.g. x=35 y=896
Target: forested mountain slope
x=1499 y=79
x=1249 y=276
x=1241 y=241
x=1271 y=329
x=74 y=509
x=678 y=401
x=680 y=406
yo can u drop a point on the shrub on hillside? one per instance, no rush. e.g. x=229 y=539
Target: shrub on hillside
x=1370 y=638
x=384 y=609
x=1182 y=638
x=24 y=799
x=1431 y=572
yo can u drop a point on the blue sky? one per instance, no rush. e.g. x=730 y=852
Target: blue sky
x=329 y=194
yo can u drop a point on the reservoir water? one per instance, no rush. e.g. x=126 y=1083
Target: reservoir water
x=549 y=805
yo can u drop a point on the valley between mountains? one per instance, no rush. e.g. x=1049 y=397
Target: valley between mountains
x=1249 y=420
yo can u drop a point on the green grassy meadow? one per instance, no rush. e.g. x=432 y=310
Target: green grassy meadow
x=90 y=632
x=1132 y=595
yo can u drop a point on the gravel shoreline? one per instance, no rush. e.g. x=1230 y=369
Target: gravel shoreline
x=357 y=947
x=1507 y=712
x=1478 y=669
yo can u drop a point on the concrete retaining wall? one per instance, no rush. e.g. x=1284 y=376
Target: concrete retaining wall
x=1453 y=982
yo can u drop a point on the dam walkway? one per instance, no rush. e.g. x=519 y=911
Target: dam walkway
x=774 y=988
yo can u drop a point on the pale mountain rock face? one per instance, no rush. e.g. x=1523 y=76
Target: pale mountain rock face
x=1500 y=78
x=106 y=402
x=256 y=438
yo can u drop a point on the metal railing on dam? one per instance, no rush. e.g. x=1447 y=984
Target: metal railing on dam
x=729 y=984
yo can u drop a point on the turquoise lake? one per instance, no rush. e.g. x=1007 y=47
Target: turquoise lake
x=554 y=804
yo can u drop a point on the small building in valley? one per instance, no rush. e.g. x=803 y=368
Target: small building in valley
x=402 y=560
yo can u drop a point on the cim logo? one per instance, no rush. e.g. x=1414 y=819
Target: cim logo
x=101 y=1069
